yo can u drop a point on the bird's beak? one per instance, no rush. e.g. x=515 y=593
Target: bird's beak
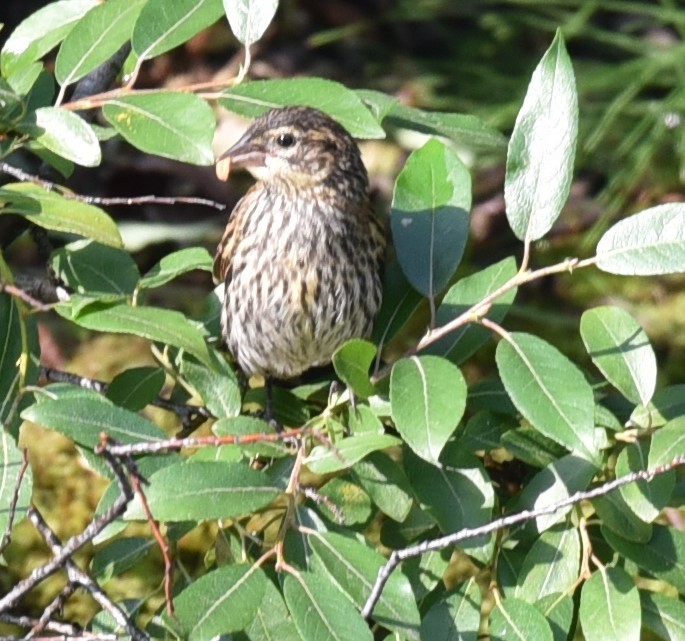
x=247 y=153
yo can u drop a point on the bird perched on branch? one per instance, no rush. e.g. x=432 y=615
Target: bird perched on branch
x=302 y=254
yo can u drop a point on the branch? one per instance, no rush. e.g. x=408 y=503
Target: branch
x=504 y=522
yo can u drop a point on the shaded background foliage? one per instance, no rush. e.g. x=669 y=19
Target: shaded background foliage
x=474 y=57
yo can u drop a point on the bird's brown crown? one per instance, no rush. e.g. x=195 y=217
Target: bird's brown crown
x=303 y=147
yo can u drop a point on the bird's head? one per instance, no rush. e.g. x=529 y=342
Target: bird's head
x=302 y=147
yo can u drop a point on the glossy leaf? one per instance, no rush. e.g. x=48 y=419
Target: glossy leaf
x=163 y=25
x=430 y=216
x=96 y=38
x=458 y=494
x=551 y=565
x=427 y=397
x=320 y=612
x=352 y=362
x=649 y=243
x=458 y=612
x=249 y=19
x=120 y=555
x=667 y=403
x=386 y=483
x=93 y=269
x=179 y=126
x=272 y=620
x=11 y=460
x=548 y=487
x=324 y=459
x=542 y=146
x=40 y=32
x=645 y=498
x=465 y=341
x=610 y=607
x=662 y=556
x=205 y=490
x=64 y=133
x=84 y=418
x=175 y=264
x=668 y=442
x=549 y=390
x=217 y=386
x=663 y=615
x=252 y=99
x=220 y=602
x=354 y=567
x=163 y=325
x=136 y=387
x=516 y=620
x=50 y=210
x=620 y=349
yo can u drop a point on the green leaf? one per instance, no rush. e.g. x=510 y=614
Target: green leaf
x=610 y=607
x=551 y=565
x=457 y=611
x=649 y=243
x=89 y=268
x=205 y=490
x=620 y=349
x=354 y=567
x=484 y=430
x=668 y=442
x=220 y=602
x=50 y=210
x=457 y=494
x=13 y=361
x=179 y=126
x=427 y=398
x=136 y=387
x=668 y=403
x=163 y=325
x=465 y=341
x=352 y=502
x=119 y=555
x=400 y=304
x=40 y=32
x=249 y=18
x=645 y=498
x=163 y=25
x=11 y=106
x=96 y=38
x=464 y=129
x=320 y=612
x=64 y=133
x=324 y=459
x=549 y=390
x=516 y=620
x=252 y=99
x=352 y=362
x=559 y=612
x=430 y=216
x=218 y=387
x=175 y=264
x=550 y=486
x=386 y=483
x=617 y=516
x=663 y=615
x=530 y=446
x=272 y=620
x=542 y=146
x=11 y=462
x=84 y=418
x=663 y=556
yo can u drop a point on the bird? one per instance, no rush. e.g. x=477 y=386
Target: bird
x=302 y=255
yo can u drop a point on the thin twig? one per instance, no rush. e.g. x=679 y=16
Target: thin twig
x=504 y=522
x=15 y=291
x=7 y=536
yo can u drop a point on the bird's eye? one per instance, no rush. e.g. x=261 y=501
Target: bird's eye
x=286 y=140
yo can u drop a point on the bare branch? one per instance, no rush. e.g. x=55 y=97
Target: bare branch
x=504 y=522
